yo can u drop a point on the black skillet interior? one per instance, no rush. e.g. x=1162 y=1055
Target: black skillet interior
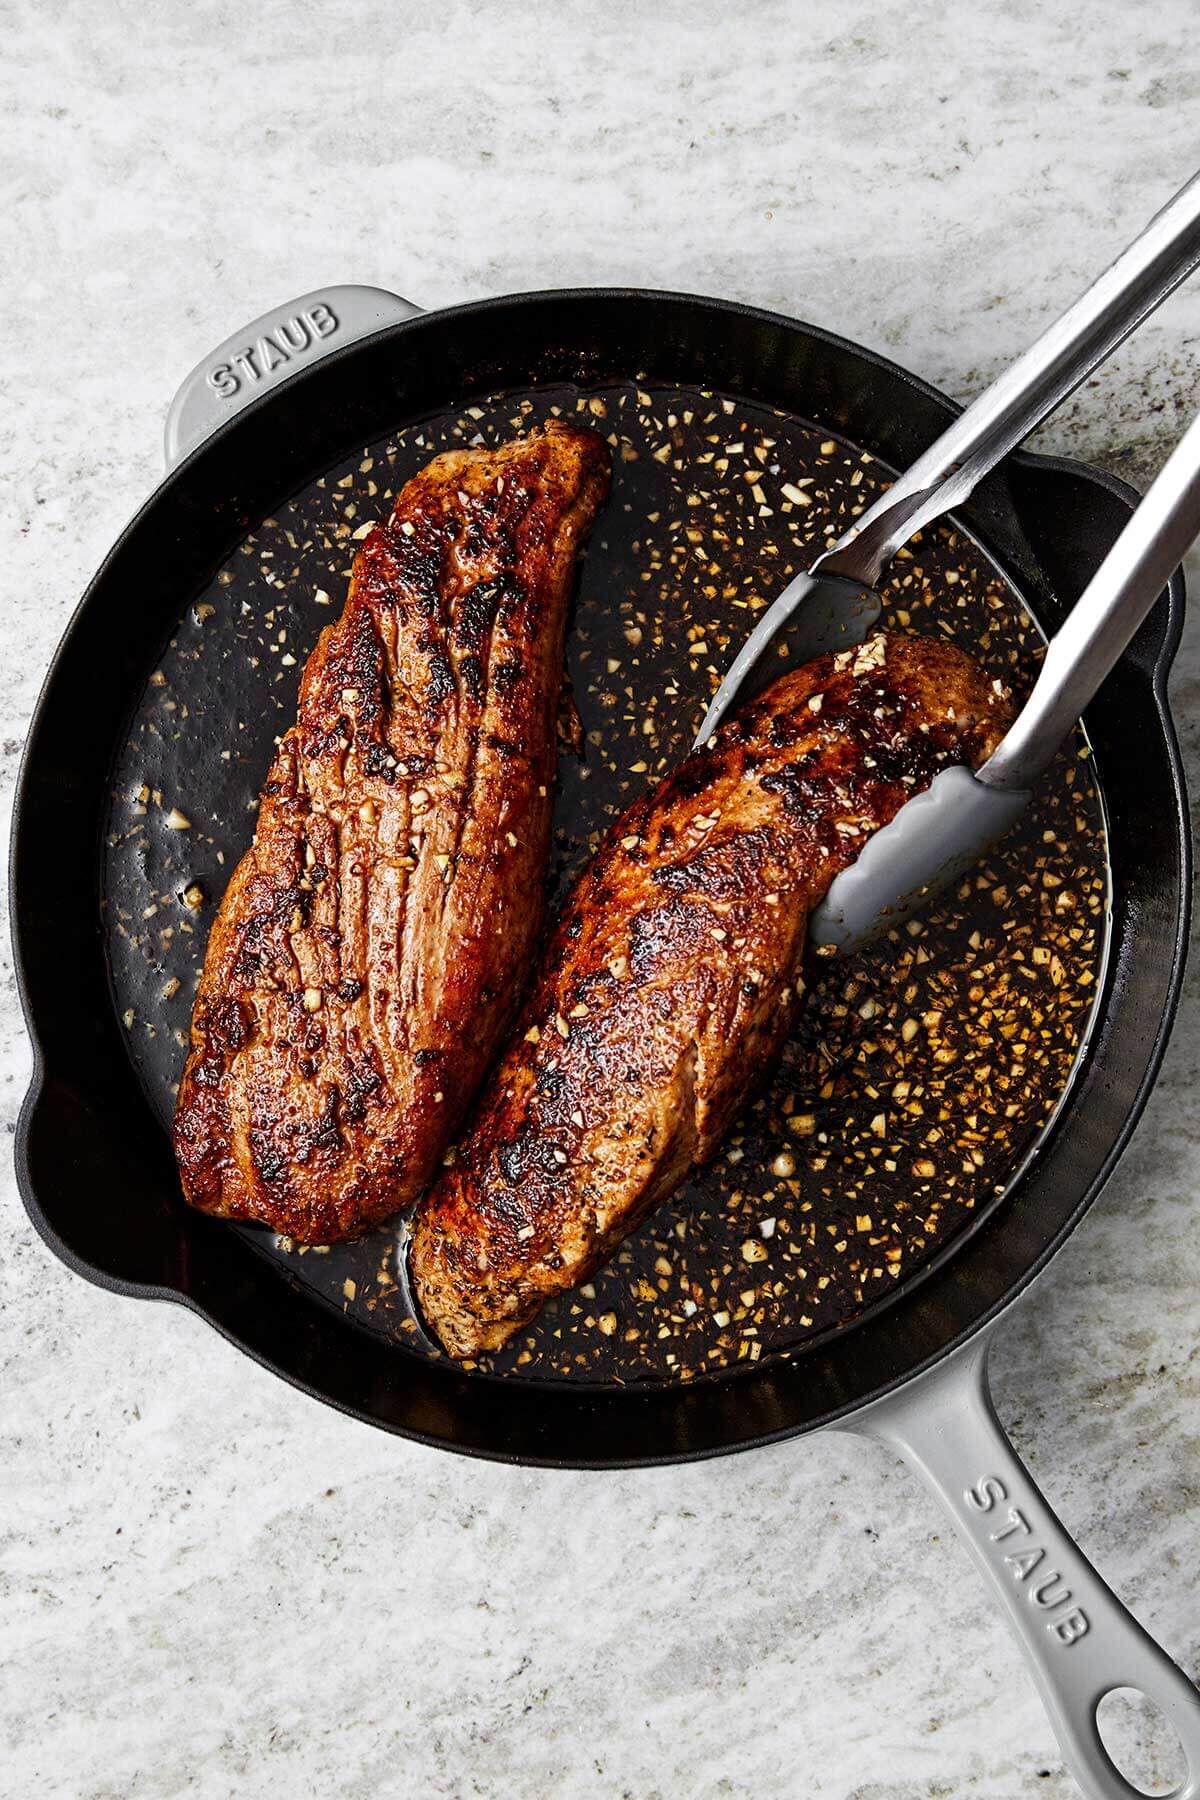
x=920 y=1073
x=94 y=1166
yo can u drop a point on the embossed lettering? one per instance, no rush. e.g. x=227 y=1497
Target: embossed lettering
x=286 y=340
x=1049 y=1591
x=283 y=335
x=1071 y=1627
x=1041 y=1595
x=987 y=1491
x=322 y=319
x=1016 y=1522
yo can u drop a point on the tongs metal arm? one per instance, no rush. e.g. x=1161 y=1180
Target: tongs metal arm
x=1104 y=619
x=940 y=833
x=822 y=614
x=1139 y=280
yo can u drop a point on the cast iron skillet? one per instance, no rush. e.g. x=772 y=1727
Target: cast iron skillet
x=95 y=1169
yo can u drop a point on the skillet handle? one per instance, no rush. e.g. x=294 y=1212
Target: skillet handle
x=1077 y=1638
x=270 y=349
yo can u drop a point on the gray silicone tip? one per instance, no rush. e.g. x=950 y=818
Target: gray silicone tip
x=936 y=837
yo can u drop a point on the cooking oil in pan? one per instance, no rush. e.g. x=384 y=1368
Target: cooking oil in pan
x=923 y=1070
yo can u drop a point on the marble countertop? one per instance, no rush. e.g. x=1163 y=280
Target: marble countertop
x=212 y=1586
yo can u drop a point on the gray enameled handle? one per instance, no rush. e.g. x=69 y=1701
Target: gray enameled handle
x=1104 y=618
x=270 y=349
x=1078 y=1639
x=1027 y=392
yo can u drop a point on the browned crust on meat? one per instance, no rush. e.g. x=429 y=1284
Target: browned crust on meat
x=671 y=979
x=370 y=948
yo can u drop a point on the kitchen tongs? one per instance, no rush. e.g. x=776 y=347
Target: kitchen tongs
x=942 y=832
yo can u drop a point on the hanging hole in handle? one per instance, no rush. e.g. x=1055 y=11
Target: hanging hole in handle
x=1141 y=1742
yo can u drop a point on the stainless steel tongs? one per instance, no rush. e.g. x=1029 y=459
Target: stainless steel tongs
x=943 y=831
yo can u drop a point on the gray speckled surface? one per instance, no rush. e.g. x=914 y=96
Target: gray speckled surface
x=208 y=1584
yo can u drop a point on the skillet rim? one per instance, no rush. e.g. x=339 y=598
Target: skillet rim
x=1166 y=624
